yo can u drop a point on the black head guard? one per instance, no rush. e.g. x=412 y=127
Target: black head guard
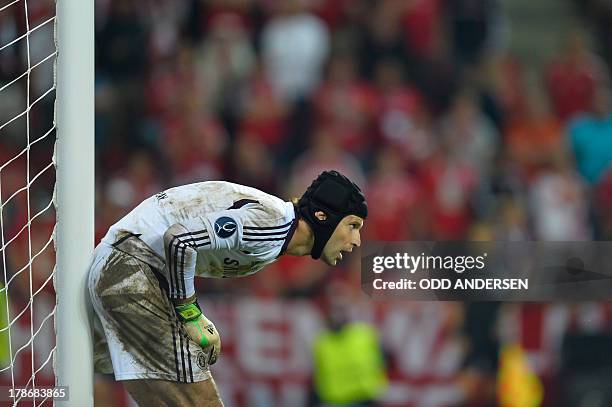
x=336 y=196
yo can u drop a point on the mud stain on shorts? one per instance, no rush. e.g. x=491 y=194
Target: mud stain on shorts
x=132 y=289
x=142 y=316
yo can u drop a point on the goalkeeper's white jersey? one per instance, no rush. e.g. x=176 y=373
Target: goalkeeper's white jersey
x=235 y=230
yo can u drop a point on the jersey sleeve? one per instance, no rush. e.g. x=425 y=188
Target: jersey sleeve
x=266 y=234
x=254 y=230
x=184 y=240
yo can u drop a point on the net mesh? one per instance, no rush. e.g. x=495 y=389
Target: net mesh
x=27 y=179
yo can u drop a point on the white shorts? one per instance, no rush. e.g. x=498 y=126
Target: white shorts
x=137 y=334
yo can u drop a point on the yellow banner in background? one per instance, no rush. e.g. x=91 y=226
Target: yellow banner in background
x=517 y=384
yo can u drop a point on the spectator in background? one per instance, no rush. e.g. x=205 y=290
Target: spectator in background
x=252 y=163
x=294 y=45
x=264 y=113
x=487 y=94
x=477 y=377
x=573 y=77
x=421 y=21
x=590 y=138
x=347 y=20
x=602 y=203
x=325 y=152
x=392 y=218
x=470 y=135
x=225 y=60
x=334 y=13
x=164 y=21
x=504 y=77
x=169 y=81
x=190 y=136
x=534 y=134
x=448 y=185
x=195 y=145
x=402 y=117
x=110 y=205
x=137 y=182
x=472 y=26
x=348 y=365
x=512 y=223
x=383 y=38
x=559 y=204
x=346 y=104
x=599 y=14
x=122 y=46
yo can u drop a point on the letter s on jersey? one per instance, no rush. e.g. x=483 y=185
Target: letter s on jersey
x=225 y=227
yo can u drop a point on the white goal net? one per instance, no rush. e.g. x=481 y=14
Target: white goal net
x=28 y=133
x=27 y=178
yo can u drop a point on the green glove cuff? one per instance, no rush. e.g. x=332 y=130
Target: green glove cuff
x=188 y=312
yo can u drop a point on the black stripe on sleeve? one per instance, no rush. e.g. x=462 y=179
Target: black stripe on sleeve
x=266 y=227
x=281 y=232
x=269 y=239
x=177 y=283
x=180 y=272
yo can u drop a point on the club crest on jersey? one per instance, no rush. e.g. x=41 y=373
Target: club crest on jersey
x=225 y=227
x=201 y=360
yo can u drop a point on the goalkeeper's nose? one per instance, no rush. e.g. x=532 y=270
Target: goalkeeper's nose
x=356 y=241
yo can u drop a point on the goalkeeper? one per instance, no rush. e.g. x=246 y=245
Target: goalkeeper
x=149 y=329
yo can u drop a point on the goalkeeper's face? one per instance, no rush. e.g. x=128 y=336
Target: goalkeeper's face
x=345 y=238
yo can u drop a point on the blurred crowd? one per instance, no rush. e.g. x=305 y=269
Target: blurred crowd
x=419 y=101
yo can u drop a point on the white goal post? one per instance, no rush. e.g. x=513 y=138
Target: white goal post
x=74 y=196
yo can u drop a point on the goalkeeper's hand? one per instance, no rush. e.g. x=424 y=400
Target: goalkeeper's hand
x=200 y=329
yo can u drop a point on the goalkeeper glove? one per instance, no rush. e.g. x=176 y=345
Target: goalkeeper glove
x=200 y=329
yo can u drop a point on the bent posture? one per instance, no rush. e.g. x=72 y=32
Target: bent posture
x=149 y=329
